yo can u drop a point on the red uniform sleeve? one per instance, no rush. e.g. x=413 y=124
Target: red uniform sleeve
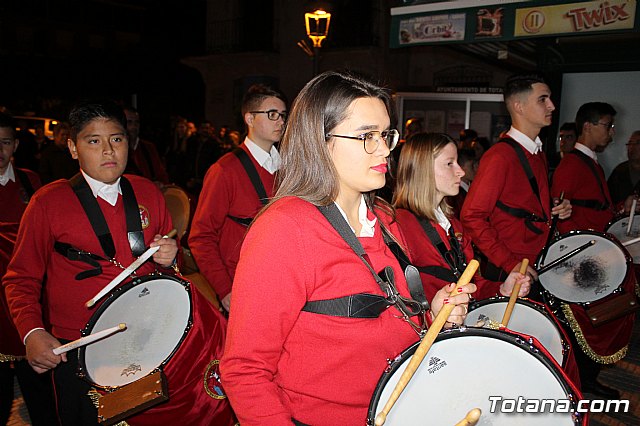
x=23 y=281
x=248 y=374
x=206 y=229
x=479 y=205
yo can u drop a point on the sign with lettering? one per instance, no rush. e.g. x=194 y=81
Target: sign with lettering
x=575 y=18
x=432 y=28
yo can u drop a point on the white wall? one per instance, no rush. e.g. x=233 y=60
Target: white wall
x=621 y=90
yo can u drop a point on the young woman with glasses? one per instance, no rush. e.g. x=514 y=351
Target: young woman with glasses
x=297 y=351
x=428 y=172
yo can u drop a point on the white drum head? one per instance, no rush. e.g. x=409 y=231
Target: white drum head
x=619 y=230
x=462 y=372
x=588 y=276
x=157 y=314
x=524 y=319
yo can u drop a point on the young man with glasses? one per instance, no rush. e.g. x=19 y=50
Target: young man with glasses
x=582 y=180
x=235 y=188
x=623 y=181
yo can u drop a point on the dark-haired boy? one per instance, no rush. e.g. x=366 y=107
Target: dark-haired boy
x=235 y=188
x=507 y=210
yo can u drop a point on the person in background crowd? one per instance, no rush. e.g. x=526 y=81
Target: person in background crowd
x=507 y=210
x=144 y=159
x=16 y=188
x=235 y=189
x=623 y=181
x=295 y=351
x=56 y=162
x=469 y=164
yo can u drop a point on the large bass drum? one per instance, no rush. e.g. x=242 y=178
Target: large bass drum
x=592 y=274
x=465 y=368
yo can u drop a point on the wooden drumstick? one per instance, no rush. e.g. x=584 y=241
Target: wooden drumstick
x=471 y=419
x=631 y=213
x=128 y=271
x=89 y=339
x=514 y=295
x=426 y=343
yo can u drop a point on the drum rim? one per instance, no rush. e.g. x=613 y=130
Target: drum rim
x=113 y=296
x=540 y=307
x=510 y=337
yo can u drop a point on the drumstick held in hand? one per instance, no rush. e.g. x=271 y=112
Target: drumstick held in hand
x=471 y=419
x=89 y=339
x=514 y=295
x=631 y=213
x=426 y=343
x=128 y=271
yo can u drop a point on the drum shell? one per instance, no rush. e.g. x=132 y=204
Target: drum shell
x=192 y=397
x=432 y=398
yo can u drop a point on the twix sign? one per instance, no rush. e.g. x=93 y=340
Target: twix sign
x=582 y=17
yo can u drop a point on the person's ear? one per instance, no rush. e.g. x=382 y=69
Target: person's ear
x=72 y=149
x=248 y=118
x=16 y=142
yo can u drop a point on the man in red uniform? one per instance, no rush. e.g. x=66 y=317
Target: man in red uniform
x=75 y=237
x=507 y=209
x=16 y=188
x=144 y=159
x=580 y=176
x=582 y=180
x=235 y=188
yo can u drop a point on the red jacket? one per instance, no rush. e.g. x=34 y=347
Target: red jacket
x=576 y=179
x=145 y=161
x=281 y=362
x=14 y=202
x=423 y=253
x=55 y=214
x=502 y=237
x=215 y=238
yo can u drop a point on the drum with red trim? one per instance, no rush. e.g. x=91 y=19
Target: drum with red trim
x=169 y=328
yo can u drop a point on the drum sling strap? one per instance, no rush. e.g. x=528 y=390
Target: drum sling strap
x=92 y=209
x=365 y=305
x=455 y=257
x=528 y=217
x=590 y=203
x=25 y=182
x=252 y=172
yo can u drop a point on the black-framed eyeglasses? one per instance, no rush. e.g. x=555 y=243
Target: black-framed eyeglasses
x=371 y=140
x=272 y=114
x=608 y=126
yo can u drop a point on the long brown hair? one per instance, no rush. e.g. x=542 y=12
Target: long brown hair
x=307 y=169
x=416 y=181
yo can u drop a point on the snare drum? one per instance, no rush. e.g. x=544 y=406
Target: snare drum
x=169 y=328
x=618 y=228
x=590 y=275
x=463 y=369
x=528 y=317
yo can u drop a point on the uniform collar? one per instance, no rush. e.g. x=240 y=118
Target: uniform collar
x=533 y=146
x=270 y=161
x=9 y=175
x=107 y=192
x=586 y=151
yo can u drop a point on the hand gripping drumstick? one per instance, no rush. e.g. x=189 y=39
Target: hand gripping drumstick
x=89 y=339
x=426 y=343
x=128 y=271
x=514 y=295
x=471 y=419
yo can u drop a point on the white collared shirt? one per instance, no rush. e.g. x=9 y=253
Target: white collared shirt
x=368 y=226
x=587 y=151
x=270 y=161
x=109 y=193
x=533 y=147
x=9 y=175
x=443 y=220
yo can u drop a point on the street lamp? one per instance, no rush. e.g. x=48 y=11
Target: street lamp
x=317 y=29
